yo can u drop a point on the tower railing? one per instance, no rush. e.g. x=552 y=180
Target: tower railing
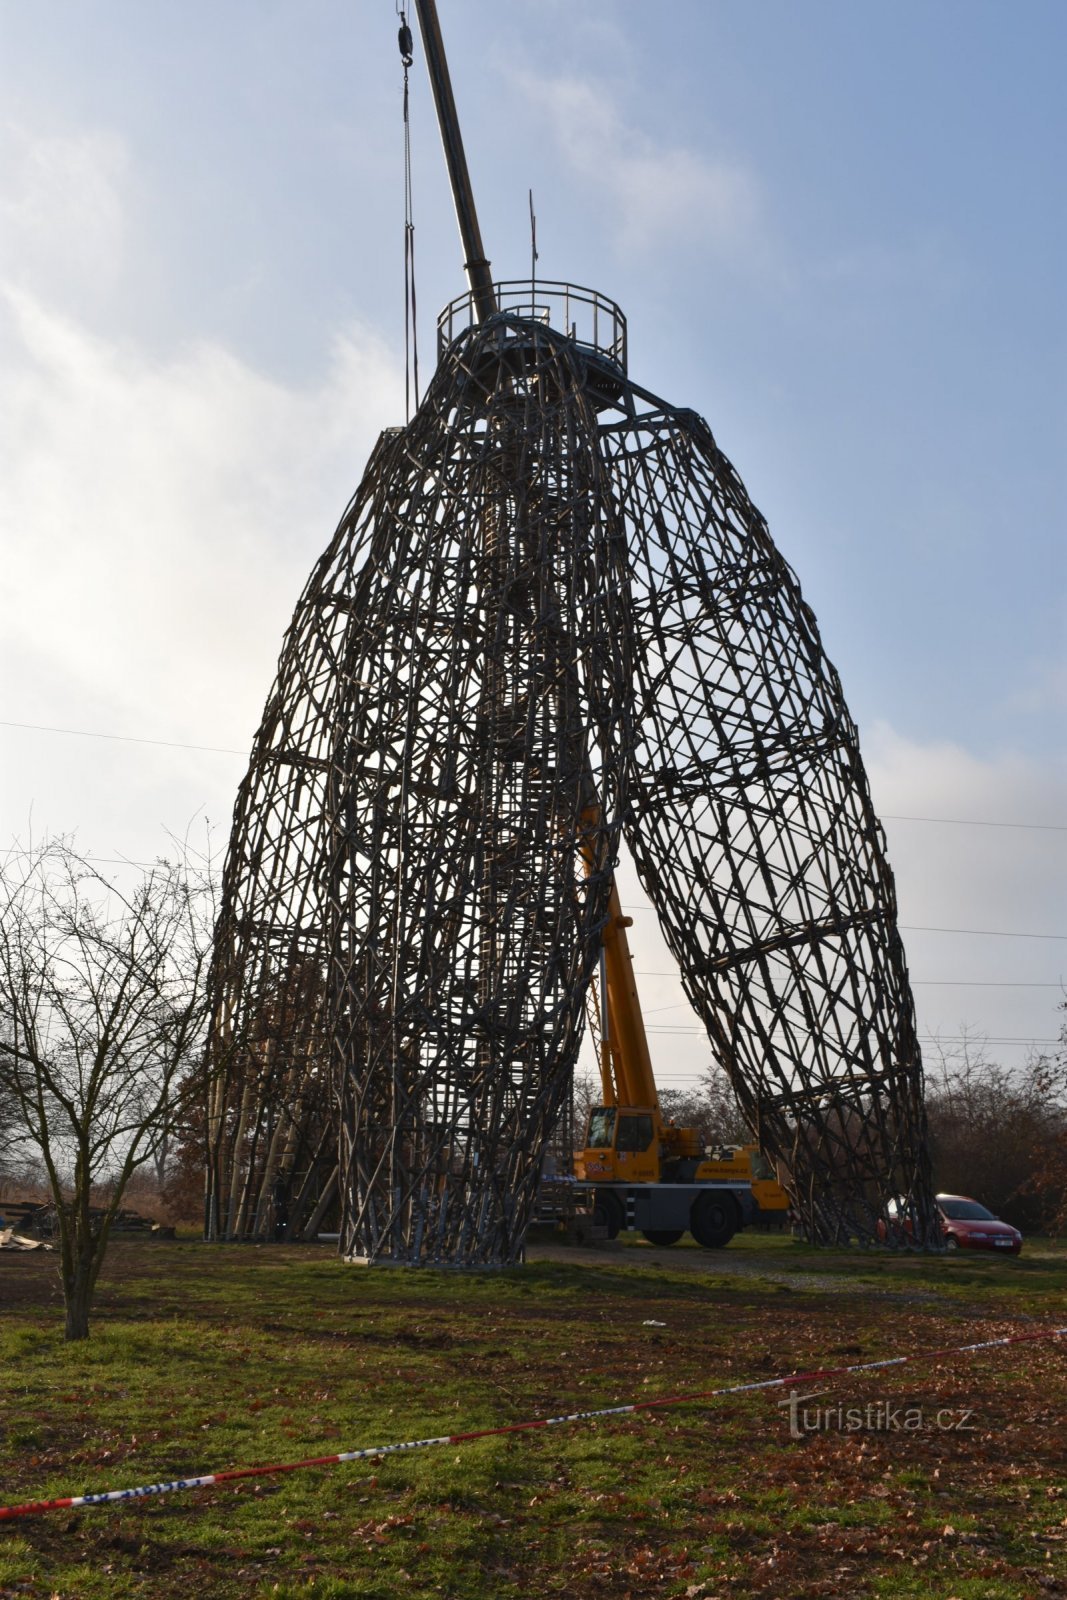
x=592 y=320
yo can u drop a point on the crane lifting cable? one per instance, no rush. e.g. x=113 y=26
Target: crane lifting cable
x=411 y=327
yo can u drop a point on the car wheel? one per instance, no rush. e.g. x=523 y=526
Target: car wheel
x=713 y=1220
x=663 y=1235
x=608 y=1213
x=952 y=1243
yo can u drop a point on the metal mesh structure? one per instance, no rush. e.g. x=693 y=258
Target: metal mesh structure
x=550 y=619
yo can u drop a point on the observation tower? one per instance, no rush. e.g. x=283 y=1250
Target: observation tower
x=550 y=622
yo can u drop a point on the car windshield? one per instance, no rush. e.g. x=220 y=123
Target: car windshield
x=966 y=1211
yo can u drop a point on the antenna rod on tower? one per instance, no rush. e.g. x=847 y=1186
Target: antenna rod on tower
x=479 y=275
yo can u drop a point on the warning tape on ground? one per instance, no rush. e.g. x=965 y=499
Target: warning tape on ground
x=372 y=1452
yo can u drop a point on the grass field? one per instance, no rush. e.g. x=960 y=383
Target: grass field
x=204 y=1358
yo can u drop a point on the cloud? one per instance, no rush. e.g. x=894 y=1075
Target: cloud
x=161 y=507
x=658 y=191
x=160 y=515
x=63 y=211
x=160 y=519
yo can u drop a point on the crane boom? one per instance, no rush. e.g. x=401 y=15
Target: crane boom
x=626 y=1074
x=477 y=268
x=625 y=1063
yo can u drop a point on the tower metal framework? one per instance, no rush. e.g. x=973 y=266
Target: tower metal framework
x=551 y=619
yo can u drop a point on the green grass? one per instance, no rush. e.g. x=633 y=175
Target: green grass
x=1038 y=1275
x=205 y=1358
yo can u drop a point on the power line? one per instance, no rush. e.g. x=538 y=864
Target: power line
x=124 y=738
x=97 y=861
x=640 y=972
x=984 y=933
x=977 y=983
x=679 y=1029
x=668 y=1079
x=936 y=983
x=916 y=927
x=226 y=750
x=977 y=822
x=685 y=1030
x=681 y=1005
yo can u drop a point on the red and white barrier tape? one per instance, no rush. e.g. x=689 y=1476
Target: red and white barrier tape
x=374 y=1451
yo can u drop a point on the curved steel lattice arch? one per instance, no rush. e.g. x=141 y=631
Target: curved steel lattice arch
x=550 y=618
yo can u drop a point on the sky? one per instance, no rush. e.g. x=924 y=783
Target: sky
x=836 y=231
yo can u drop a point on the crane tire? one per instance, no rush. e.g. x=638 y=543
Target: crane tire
x=663 y=1236
x=713 y=1220
x=608 y=1213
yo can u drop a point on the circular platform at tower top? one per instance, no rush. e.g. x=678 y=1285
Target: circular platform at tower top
x=592 y=320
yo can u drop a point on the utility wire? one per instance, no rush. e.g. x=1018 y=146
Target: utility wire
x=937 y=983
x=684 y=1029
x=917 y=927
x=125 y=738
x=227 y=750
x=984 y=933
x=677 y=1030
x=977 y=822
x=991 y=933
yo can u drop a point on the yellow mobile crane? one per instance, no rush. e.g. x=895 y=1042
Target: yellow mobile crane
x=644 y=1172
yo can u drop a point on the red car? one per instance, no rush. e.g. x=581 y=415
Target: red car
x=969 y=1226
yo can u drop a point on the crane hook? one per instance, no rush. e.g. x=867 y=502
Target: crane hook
x=405 y=41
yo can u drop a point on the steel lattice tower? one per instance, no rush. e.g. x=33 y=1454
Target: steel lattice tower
x=550 y=620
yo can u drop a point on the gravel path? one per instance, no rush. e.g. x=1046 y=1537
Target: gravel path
x=766 y=1267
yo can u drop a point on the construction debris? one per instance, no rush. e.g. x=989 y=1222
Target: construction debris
x=10 y=1240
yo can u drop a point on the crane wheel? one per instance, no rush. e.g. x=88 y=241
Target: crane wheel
x=713 y=1220
x=663 y=1235
x=608 y=1213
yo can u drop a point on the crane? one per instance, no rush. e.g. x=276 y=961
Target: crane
x=645 y=1172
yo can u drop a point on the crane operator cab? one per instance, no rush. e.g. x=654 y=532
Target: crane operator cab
x=633 y=1144
x=621 y=1146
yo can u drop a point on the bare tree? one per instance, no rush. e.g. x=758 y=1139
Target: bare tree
x=100 y=1016
x=996 y=1134
x=722 y=1120
x=9 y=1131
x=1047 y=1184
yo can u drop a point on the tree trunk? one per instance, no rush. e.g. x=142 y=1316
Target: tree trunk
x=81 y=1265
x=78 y=1294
